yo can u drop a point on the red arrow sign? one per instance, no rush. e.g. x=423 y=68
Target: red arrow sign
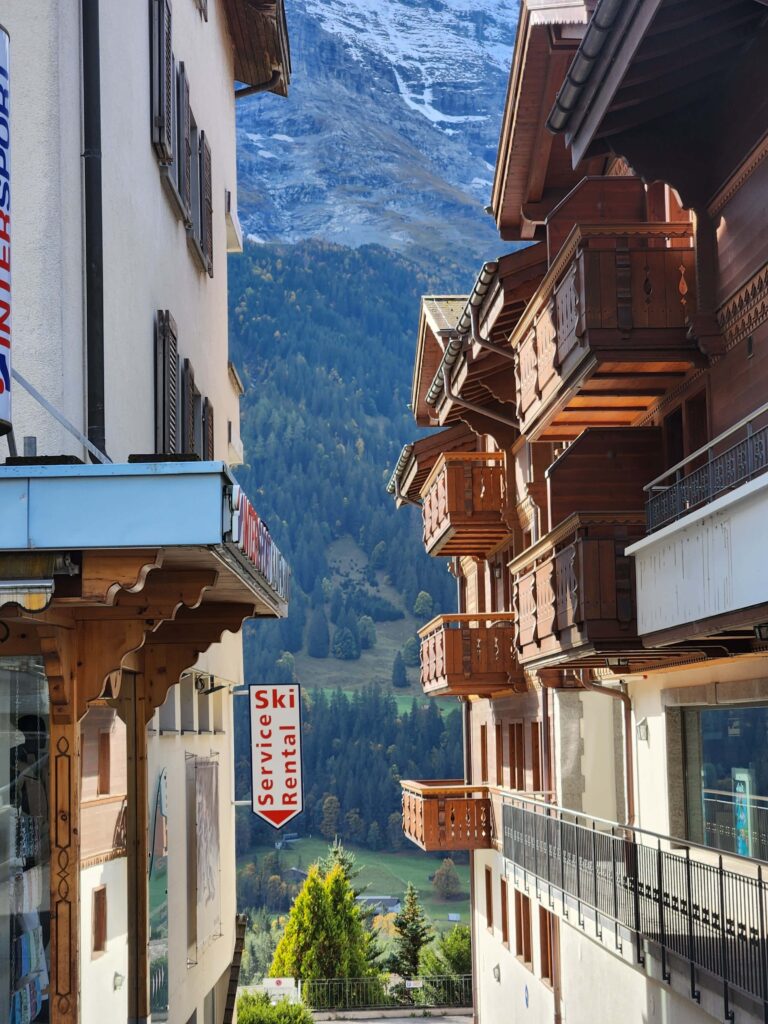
x=276 y=767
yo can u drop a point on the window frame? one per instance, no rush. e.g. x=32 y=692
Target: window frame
x=99 y=919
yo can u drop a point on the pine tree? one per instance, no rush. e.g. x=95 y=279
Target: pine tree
x=318 y=638
x=412 y=933
x=423 y=605
x=301 y=952
x=329 y=826
x=399 y=675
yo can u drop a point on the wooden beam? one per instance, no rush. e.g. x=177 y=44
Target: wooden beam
x=105 y=573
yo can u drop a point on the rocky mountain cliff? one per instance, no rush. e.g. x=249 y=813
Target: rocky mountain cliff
x=389 y=133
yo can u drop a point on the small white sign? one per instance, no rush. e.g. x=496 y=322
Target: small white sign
x=276 y=770
x=5 y=234
x=415 y=983
x=278 y=983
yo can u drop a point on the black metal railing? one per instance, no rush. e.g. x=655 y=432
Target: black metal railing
x=710 y=471
x=685 y=900
x=386 y=991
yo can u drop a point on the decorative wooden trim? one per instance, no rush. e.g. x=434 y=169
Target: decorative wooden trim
x=104 y=574
x=102 y=858
x=746 y=309
x=740 y=176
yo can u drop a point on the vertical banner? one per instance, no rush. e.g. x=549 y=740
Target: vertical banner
x=742 y=781
x=276 y=770
x=5 y=233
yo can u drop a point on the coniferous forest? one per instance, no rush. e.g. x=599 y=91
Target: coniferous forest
x=323 y=337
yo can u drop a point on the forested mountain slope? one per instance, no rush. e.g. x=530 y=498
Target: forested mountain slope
x=323 y=337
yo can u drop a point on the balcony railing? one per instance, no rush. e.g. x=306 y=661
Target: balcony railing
x=469 y=654
x=679 y=896
x=613 y=289
x=737 y=455
x=574 y=592
x=446 y=815
x=463 y=500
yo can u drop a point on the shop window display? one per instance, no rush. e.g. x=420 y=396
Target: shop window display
x=24 y=842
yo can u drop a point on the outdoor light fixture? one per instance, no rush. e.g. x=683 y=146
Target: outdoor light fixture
x=497 y=571
x=761 y=631
x=642 y=730
x=117 y=981
x=497 y=973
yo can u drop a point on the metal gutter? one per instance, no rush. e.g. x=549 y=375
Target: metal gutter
x=580 y=71
x=250 y=90
x=403 y=458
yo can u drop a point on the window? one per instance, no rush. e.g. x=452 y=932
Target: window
x=209 y=1007
x=200 y=231
x=166 y=384
x=516 y=756
x=489 y=899
x=546 y=934
x=499 y=754
x=504 y=913
x=162 y=81
x=523 y=943
x=726 y=778
x=208 y=432
x=191 y=412
x=483 y=753
x=536 y=757
x=167 y=718
x=104 y=764
x=99 y=922
x=188 y=696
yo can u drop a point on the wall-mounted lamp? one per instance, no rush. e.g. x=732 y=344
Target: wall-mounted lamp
x=642 y=730
x=497 y=571
x=117 y=981
x=497 y=973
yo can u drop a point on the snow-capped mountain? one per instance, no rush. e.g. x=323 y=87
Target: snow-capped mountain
x=390 y=130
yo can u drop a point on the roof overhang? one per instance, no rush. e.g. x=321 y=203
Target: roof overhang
x=259 y=33
x=437 y=324
x=191 y=514
x=417 y=459
x=533 y=167
x=657 y=81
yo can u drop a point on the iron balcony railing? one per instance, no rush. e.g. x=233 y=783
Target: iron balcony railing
x=683 y=899
x=719 y=466
x=388 y=991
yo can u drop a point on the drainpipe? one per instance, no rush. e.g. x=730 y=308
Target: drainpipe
x=628 y=749
x=94 y=236
x=404 y=497
x=479 y=340
x=251 y=90
x=466 y=728
x=474 y=407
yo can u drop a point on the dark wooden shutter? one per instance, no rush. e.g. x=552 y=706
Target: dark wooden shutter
x=203 y=4
x=208 y=436
x=206 y=203
x=166 y=384
x=188 y=433
x=162 y=81
x=185 y=145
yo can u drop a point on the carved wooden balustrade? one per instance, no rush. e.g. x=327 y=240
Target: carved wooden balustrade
x=615 y=294
x=463 y=498
x=469 y=654
x=574 y=593
x=446 y=815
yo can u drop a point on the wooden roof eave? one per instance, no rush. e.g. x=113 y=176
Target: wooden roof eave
x=541 y=59
x=259 y=33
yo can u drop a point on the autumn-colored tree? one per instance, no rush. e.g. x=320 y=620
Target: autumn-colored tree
x=329 y=826
x=446 y=880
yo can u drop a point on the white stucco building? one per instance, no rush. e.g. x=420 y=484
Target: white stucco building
x=124 y=205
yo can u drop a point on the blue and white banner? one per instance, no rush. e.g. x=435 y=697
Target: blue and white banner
x=6 y=336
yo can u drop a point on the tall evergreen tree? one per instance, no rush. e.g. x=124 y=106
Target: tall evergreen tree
x=318 y=638
x=412 y=933
x=399 y=675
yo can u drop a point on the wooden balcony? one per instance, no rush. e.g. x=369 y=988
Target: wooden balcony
x=463 y=498
x=606 y=332
x=446 y=815
x=469 y=654
x=574 y=594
